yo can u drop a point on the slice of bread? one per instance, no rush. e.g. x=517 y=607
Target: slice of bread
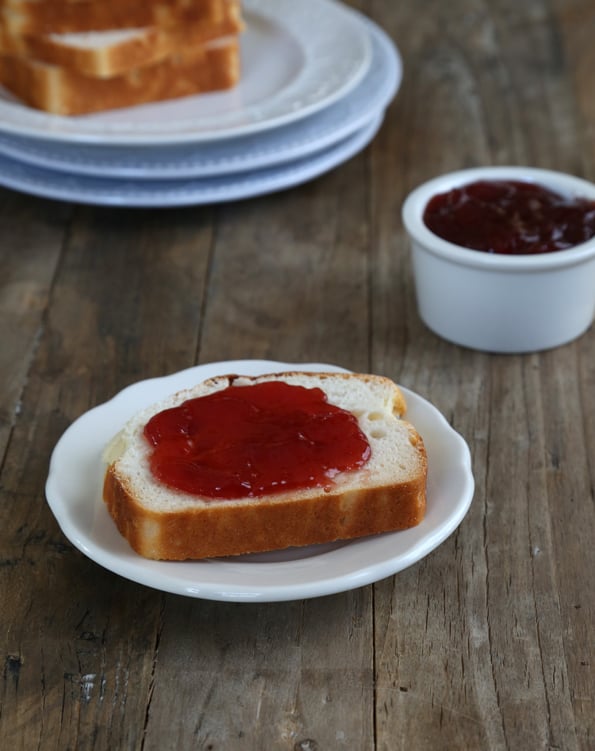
x=63 y=17
x=385 y=494
x=212 y=66
x=108 y=53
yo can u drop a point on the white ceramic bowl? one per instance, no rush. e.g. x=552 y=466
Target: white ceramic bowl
x=501 y=303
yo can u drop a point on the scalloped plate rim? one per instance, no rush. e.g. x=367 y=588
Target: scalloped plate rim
x=314 y=571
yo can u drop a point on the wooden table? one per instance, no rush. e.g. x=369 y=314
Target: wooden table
x=487 y=643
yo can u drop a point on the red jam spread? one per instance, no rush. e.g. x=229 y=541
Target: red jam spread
x=510 y=217
x=254 y=440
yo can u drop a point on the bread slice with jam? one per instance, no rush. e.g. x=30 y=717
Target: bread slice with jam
x=385 y=491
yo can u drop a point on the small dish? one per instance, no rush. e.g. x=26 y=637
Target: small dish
x=501 y=303
x=74 y=483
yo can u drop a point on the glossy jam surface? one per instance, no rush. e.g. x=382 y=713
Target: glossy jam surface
x=510 y=217
x=254 y=440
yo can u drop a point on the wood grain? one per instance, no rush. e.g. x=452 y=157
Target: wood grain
x=31 y=249
x=469 y=662
x=487 y=643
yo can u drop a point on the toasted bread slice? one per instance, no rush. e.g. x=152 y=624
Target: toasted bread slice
x=387 y=493
x=105 y=54
x=40 y=17
x=62 y=91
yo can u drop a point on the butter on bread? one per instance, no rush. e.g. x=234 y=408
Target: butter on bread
x=388 y=493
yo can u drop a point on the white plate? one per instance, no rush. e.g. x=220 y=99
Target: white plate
x=277 y=146
x=167 y=193
x=297 y=57
x=73 y=491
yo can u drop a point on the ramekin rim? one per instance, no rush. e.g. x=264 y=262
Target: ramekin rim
x=417 y=199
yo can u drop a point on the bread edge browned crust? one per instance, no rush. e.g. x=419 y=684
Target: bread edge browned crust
x=236 y=528
x=207 y=69
x=399 y=404
x=66 y=18
x=152 y=45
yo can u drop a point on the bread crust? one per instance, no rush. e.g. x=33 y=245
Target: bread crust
x=398 y=403
x=234 y=528
x=215 y=528
x=63 y=91
x=147 y=45
x=28 y=17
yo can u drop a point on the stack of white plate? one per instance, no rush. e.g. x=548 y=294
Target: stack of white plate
x=316 y=79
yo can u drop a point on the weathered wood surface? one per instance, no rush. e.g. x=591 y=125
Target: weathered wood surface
x=485 y=644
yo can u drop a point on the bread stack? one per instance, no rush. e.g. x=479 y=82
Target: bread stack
x=72 y=57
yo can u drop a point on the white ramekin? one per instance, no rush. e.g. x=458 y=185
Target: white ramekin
x=500 y=303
